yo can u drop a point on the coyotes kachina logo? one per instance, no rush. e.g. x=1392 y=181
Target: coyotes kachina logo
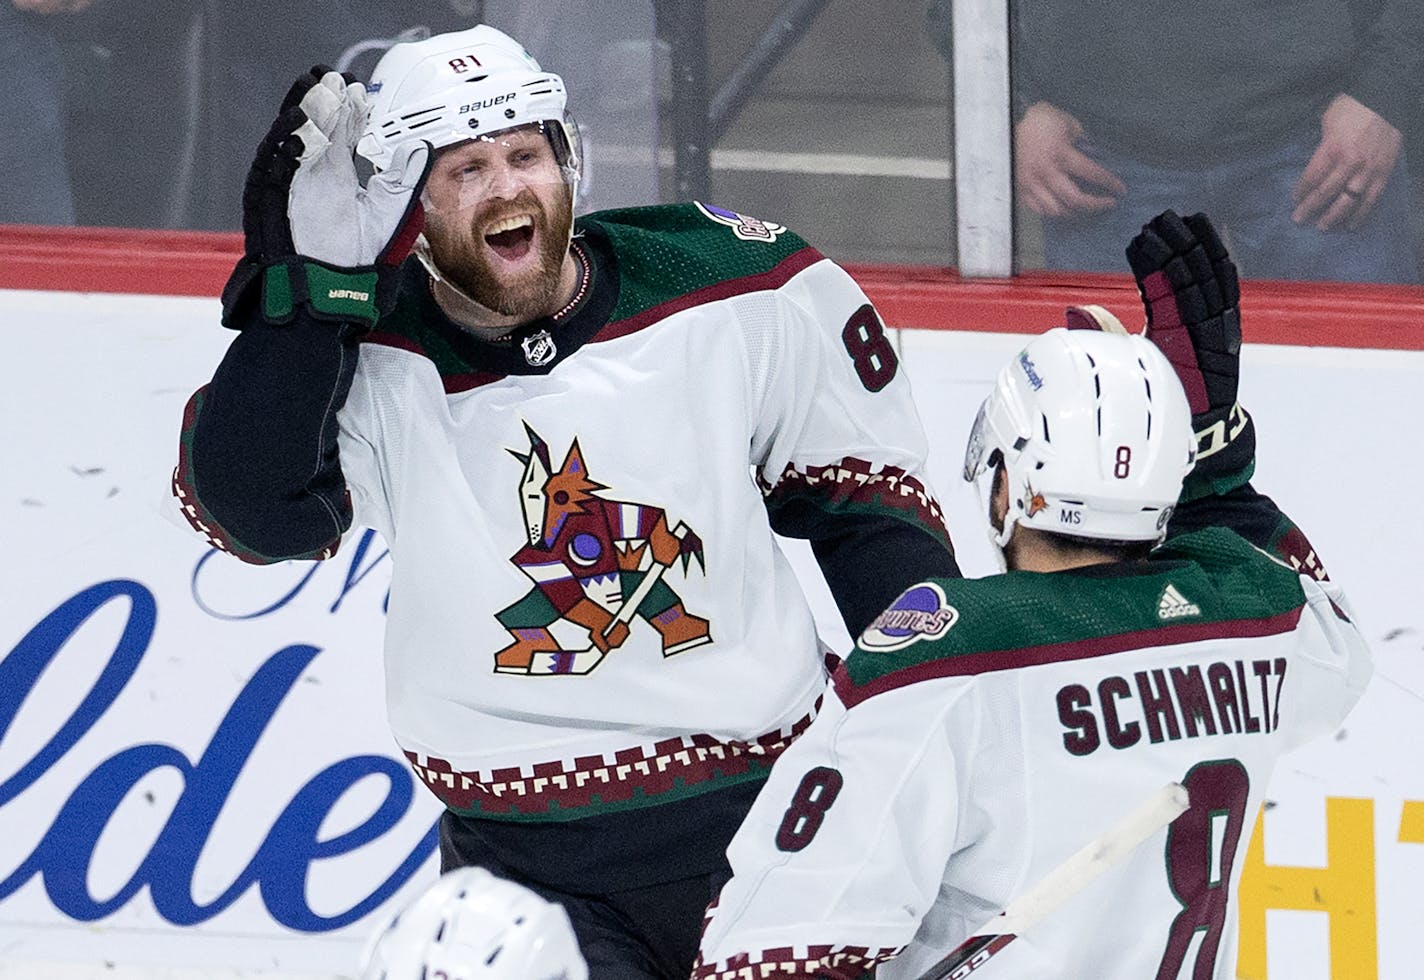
x=1033 y=502
x=597 y=565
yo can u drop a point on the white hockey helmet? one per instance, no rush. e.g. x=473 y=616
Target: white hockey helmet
x=469 y=84
x=472 y=925
x=1094 y=433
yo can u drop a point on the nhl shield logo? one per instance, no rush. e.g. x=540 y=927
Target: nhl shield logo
x=539 y=348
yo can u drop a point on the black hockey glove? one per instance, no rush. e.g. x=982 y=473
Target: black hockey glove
x=1188 y=284
x=313 y=235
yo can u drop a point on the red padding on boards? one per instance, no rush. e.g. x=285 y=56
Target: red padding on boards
x=117 y=260
x=1308 y=314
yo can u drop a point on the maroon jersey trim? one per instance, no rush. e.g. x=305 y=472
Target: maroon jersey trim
x=595 y=782
x=970 y=664
x=773 y=278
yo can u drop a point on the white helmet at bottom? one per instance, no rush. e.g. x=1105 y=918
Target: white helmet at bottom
x=472 y=925
x=1094 y=433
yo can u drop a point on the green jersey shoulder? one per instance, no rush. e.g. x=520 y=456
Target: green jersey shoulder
x=677 y=255
x=1200 y=585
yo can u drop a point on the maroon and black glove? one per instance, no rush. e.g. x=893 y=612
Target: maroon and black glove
x=1189 y=286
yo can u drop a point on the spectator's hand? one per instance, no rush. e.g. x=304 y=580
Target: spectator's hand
x=1349 y=169
x=1054 y=178
x=52 y=6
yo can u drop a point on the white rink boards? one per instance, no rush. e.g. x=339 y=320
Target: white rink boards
x=196 y=781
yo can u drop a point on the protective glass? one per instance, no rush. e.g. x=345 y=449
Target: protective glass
x=498 y=165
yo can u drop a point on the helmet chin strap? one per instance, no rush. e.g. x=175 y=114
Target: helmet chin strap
x=1000 y=541
x=998 y=538
x=422 y=252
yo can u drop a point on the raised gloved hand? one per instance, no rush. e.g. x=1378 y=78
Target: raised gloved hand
x=1189 y=287
x=313 y=235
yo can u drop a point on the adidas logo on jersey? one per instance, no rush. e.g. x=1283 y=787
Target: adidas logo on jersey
x=1174 y=605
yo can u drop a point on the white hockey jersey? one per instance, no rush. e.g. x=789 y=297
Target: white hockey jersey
x=984 y=731
x=588 y=608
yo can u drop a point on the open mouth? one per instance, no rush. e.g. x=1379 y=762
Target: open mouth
x=511 y=238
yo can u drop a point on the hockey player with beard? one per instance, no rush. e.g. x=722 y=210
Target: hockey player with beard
x=984 y=731
x=623 y=408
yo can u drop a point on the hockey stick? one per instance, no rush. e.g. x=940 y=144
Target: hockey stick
x=1062 y=883
x=631 y=604
x=583 y=661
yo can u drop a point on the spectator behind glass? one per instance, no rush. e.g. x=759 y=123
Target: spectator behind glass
x=1285 y=120
x=247 y=69
x=35 y=188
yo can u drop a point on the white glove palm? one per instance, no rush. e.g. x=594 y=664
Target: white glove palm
x=333 y=218
x=313 y=237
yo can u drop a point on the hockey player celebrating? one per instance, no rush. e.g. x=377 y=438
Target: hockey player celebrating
x=706 y=378
x=983 y=730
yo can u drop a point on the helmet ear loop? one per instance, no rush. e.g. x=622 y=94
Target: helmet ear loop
x=986 y=488
x=421 y=250
x=998 y=489
x=570 y=157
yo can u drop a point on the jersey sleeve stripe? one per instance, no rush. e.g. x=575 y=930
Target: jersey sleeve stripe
x=773 y=278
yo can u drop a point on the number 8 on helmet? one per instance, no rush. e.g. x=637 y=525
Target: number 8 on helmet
x=1093 y=434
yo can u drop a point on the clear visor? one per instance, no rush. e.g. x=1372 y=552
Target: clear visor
x=976 y=449
x=500 y=165
x=981 y=462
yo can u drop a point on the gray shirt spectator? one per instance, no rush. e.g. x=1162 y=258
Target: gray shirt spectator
x=35 y=188
x=1284 y=119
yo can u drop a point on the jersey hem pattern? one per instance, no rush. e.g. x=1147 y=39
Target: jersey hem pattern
x=639 y=776
x=827 y=961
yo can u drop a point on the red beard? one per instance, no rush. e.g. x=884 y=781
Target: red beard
x=463 y=256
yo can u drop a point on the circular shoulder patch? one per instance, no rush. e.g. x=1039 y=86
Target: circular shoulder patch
x=921 y=613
